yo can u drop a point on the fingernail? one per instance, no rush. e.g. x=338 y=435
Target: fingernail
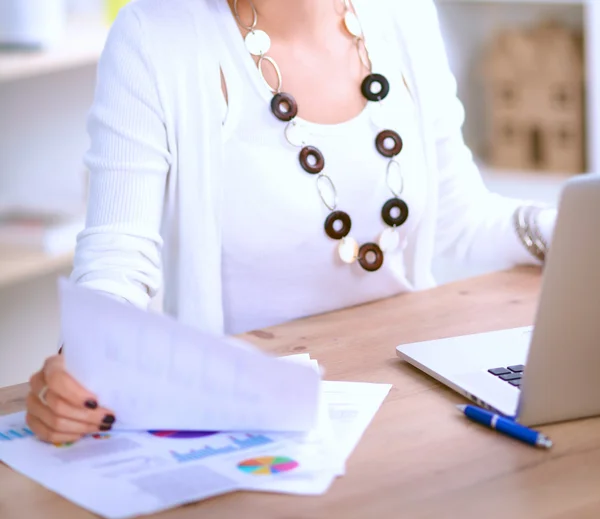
x=109 y=419
x=105 y=427
x=91 y=404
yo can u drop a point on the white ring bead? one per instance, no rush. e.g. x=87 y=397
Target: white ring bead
x=348 y=250
x=257 y=42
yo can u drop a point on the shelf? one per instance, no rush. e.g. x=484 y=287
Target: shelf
x=82 y=45
x=17 y=264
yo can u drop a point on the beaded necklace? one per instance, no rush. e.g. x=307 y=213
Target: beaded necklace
x=375 y=88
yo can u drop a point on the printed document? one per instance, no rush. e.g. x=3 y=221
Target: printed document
x=121 y=474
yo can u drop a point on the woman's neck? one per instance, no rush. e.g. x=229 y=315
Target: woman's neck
x=291 y=19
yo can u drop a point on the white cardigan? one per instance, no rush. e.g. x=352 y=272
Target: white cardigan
x=155 y=160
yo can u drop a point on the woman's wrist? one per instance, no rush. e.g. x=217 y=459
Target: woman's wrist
x=546 y=221
x=534 y=226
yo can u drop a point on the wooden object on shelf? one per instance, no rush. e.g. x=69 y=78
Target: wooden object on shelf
x=535 y=99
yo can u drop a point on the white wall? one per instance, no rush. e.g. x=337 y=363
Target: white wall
x=85 y=6
x=42 y=141
x=29 y=327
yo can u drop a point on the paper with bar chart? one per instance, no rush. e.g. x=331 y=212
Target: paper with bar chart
x=121 y=474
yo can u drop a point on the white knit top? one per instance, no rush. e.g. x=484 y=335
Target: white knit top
x=220 y=215
x=278 y=263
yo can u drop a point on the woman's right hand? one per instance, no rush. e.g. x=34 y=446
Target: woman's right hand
x=59 y=409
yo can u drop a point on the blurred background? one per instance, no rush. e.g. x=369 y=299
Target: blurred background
x=528 y=74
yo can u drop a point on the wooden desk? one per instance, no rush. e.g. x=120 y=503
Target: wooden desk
x=420 y=458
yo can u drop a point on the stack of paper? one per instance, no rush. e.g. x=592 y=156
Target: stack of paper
x=159 y=457
x=126 y=474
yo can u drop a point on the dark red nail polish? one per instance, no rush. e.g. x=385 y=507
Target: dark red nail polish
x=109 y=419
x=105 y=427
x=91 y=404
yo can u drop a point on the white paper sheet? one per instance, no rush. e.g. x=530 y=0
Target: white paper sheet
x=125 y=474
x=352 y=406
x=156 y=373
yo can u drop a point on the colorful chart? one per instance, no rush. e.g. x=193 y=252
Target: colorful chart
x=268 y=465
x=248 y=441
x=16 y=433
x=182 y=435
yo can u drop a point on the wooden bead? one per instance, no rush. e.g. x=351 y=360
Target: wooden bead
x=319 y=160
x=344 y=219
x=389 y=206
x=381 y=139
x=284 y=106
x=370 y=257
x=368 y=90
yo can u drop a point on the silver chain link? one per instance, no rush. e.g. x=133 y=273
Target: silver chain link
x=363 y=54
x=275 y=66
x=249 y=28
x=395 y=192
x=334 y=204
x=293 y=124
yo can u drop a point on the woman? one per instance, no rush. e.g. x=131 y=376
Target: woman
x=268 y=167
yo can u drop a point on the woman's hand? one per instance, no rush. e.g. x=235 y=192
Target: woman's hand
x=59 y=409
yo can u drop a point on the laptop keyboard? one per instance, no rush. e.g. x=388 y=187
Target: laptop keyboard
x=510 y=374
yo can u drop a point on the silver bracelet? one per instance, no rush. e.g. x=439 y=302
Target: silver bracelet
x=538 y=238
x=525 y=222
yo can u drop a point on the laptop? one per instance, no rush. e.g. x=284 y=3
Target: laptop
x=549 y=372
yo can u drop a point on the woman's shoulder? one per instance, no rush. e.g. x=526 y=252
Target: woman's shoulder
x=159 y=30
x=411 y=24
x=407 y=8
x=153 y=11
x=164 y=21
x=412 y=15
x=415 y=26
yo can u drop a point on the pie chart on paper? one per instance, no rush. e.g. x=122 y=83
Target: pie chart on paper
x=268 y=465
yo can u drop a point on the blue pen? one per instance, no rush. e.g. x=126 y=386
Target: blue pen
x=506 y=426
